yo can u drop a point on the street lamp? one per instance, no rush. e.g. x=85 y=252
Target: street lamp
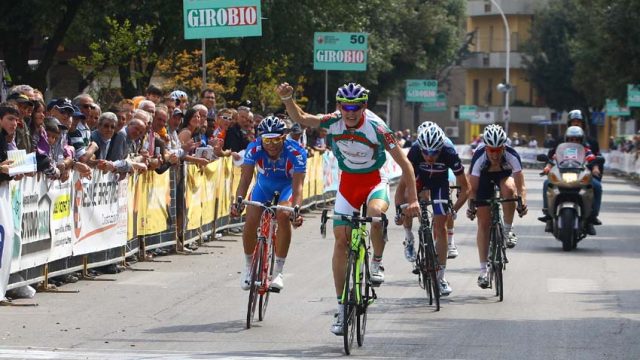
x=505 y=88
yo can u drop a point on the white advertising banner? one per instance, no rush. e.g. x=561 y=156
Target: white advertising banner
x=99 y=213
x=31 y=207
x=60 y=220
x=6 y=238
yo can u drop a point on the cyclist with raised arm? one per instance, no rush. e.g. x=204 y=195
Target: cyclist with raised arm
x=359 y=139
x=494 y=162
x=281 y=165
x=431 y=157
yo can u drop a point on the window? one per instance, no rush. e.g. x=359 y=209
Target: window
x=476 y=90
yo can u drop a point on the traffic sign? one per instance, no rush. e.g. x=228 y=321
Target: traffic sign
x=340 y=51
x=613 y=109
x=633 y=95
x=468 y=112
x=422 y=91
x=439 y=105
x=206 y=19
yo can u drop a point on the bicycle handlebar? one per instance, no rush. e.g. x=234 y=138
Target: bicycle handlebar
x=350 y=218
x=517 y=199
x=276 y=207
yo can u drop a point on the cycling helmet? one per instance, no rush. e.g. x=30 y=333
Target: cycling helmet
x=574 y=132
x=178 y=96
x=271 y=125
x=494 y=135
x=352 y=93
x=431 y=138
x=425 y=125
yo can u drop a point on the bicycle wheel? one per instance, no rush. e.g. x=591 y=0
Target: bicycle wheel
x=348 y=306
x=363 y=283
x=267 y=273
x=256 y=265
x=431 y=270
x=495 y=245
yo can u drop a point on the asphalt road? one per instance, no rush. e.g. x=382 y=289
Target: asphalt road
x=583 y=304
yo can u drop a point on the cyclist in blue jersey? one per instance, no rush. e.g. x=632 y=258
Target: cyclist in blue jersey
x=281 y=164
x=495 y=163
x=432 y=156
x=360 y=141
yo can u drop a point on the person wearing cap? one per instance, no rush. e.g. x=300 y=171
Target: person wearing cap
x=59 y=113
x=85 y=105
x=297 y=133
x=25 y=107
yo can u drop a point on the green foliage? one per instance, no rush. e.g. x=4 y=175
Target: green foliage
x=584 y=52
x=123 y=44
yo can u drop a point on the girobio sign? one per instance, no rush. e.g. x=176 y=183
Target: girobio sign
x=341 y=56
x=204 y=19
x=340 y=51
x=234 y=16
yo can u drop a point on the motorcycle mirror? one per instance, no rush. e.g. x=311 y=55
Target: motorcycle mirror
x=542 y=157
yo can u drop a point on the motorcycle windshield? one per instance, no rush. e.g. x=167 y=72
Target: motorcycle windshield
x=570 y=155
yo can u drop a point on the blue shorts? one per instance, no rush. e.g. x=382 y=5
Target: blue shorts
x=437 y=191
x=263 y=191
x=488 y=181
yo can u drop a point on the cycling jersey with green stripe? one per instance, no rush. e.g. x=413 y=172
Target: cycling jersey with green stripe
x=360 y=149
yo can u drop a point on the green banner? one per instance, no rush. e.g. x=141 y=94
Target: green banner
x=206 y=19
x=613 y=109
x=340 y=51
x=633 y=95
x=468 y=112
x=421 y=90
x=439 y=105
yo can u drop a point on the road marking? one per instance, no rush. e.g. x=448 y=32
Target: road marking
x=560 y=285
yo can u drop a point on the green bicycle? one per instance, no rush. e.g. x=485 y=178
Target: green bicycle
x=497 y=246
x=358 y=291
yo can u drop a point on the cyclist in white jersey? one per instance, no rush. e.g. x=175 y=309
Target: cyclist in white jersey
x=358 y=138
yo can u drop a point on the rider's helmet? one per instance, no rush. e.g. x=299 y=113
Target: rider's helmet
x=425 y=125
x=431 y=139
x=271 y=125
x=352 y=93
x=574 y=132
x=179 y=96
x=494 y=135
x=575 y=115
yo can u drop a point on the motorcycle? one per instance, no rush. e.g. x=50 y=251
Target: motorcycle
x=570 y=194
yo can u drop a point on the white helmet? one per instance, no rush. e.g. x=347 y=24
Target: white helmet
x=425 y=125
x=574 y=132
x=431 y=138
x=494 y=135
x=575 y=114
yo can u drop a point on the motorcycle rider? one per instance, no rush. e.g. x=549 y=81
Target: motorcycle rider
x=576 y=134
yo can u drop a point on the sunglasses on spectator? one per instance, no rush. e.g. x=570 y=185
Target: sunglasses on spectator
x=574 y=139
x=494 y=150
x=431 y=153
x=272 y=140
x=351 y=107
x=226 y=117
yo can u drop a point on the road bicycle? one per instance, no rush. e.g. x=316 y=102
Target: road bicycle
x=264 y=256
x=358 y=292
x=497 y=259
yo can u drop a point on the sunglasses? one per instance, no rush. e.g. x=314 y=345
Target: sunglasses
x=226 y=117
x=272 y=140
x=494 y=150
x=574 y=139
x=351 y=107
x=431 y=153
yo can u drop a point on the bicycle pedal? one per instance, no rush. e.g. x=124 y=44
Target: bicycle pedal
x=375 y=284
x=274 y=290
x=415 y=271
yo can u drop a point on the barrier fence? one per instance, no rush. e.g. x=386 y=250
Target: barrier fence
x=49 y=228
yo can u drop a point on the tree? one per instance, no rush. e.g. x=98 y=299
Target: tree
x=124 y=44
x=33 y=30
x=183 y=71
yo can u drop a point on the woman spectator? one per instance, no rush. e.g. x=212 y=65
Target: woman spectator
x=190 y=133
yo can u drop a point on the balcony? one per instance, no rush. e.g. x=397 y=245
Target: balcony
x=494 y=60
